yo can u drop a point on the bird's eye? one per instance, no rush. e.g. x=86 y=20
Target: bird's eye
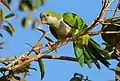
x=47 y=14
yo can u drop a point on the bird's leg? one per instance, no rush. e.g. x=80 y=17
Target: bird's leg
x=51 y=43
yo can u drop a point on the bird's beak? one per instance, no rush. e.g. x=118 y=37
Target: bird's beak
x=43 y=20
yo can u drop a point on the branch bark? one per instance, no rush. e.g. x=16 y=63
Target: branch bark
x=31 y=58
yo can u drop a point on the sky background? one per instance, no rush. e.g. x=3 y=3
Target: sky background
x=56 y=70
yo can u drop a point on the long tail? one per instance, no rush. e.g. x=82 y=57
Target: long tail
x=90 y=54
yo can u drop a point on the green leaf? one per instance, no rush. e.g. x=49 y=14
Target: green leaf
x=42 y=70
x=41 y=66
x=42 y=2
x=30 y=5
x=37 y=3
x=26 y=5
x=22 y=7
x=10 y=29
x=6 y=4
x=26 y=21
x=1 y=17
x=9 y=15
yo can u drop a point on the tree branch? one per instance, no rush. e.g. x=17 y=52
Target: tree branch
x=44 y=57
x=116 y=8
x=100 y=16
x=14 y=66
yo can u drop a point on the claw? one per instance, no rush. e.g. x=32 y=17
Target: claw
x=51 y=43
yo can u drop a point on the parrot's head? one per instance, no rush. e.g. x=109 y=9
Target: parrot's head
x=49 y=17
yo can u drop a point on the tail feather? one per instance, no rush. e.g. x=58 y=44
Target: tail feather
x=89 y=54
x=83 y=55
x=92 y=57
x=98 y=47
x=87 y=57
x=78 y=50
x=98 y=52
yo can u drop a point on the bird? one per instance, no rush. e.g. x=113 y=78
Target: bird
x=112 y=39
x=66 y=25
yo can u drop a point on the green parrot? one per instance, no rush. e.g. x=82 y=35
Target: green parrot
x=63 y=26
x=113 y=39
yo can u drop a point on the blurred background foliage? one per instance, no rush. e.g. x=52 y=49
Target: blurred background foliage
x=29 y=6
x=24 y=6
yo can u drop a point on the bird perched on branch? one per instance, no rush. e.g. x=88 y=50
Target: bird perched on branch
x=66 y=25
x=113 y=38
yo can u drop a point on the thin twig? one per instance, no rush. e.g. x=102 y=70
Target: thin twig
x=18 y=59
x=116 y=8
x=115 y=17
x=32 y=58
x=113 y=10
x=99 y=18
x=115 y=24
x=43 y=35
x=43 y=54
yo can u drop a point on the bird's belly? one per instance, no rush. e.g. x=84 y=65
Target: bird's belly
x=61 y=34
x=63 y=31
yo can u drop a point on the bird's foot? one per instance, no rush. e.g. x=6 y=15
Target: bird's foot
x=53 y=45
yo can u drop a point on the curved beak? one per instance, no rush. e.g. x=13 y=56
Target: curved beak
x=43 y=20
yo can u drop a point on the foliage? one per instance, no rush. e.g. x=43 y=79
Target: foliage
x=22 y=64
x=79 y=77
x=3 y=19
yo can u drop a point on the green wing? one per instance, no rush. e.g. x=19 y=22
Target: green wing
x=74 y=21
x=89 y=52
x=83 y=53
x=78 y=24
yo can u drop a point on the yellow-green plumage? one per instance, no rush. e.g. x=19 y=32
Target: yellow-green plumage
x=85 y=48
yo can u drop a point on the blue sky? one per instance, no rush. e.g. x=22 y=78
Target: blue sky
x=57 y=70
